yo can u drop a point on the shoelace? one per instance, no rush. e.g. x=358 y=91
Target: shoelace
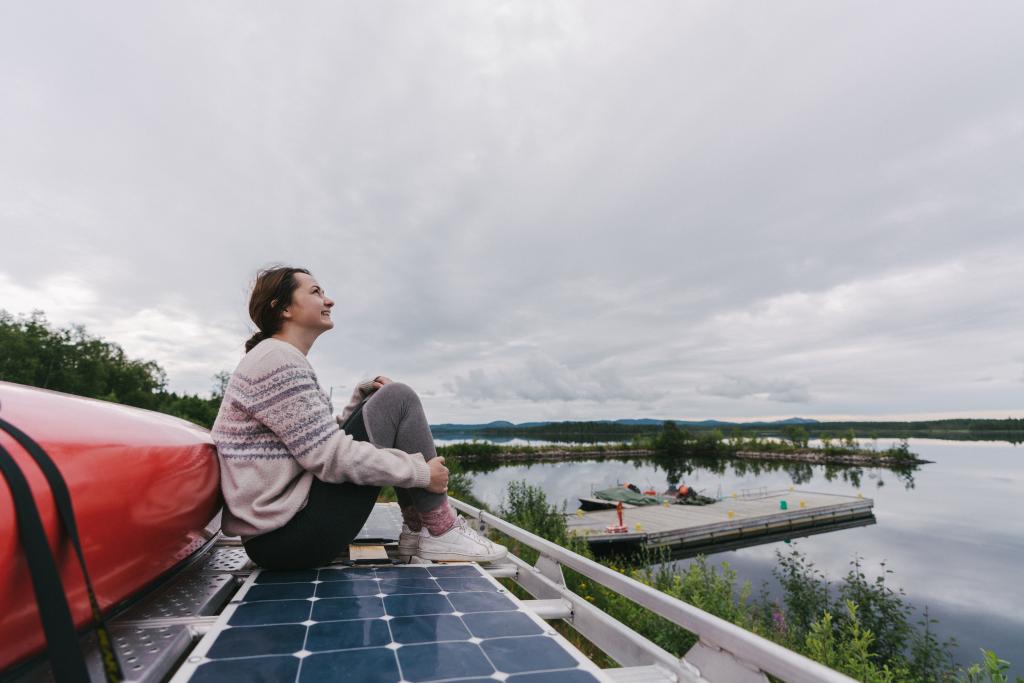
x=470 y=533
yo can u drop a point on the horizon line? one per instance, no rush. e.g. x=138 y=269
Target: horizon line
x=899 y=417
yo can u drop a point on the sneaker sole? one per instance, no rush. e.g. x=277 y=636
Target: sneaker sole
x=460 y=557
x=407 y=551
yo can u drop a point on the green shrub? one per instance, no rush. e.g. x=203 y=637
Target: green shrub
x=847 y=647
x=991 y=670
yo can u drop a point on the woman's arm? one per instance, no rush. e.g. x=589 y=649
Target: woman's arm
x=296 y=412
x=353 y=403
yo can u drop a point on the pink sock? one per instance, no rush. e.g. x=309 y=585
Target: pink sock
x=411 y=518
x=439 y=520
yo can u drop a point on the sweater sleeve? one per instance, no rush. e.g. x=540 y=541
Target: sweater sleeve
x=297 y=413
x=358 y=396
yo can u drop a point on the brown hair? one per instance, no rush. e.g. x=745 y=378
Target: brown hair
x=271 y=294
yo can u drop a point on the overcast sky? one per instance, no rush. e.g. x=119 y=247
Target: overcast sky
x=537 y=210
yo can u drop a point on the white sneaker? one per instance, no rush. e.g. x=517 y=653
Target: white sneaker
x=408 y=542
x=460 y=543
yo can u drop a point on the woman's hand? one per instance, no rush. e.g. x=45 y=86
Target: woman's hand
x=438 y=475
x=370 y=386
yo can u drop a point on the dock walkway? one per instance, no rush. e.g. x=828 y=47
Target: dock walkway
x=681 y=526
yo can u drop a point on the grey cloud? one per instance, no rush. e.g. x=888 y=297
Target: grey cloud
x=540 y=378
x=781 y=390
x=531 y=194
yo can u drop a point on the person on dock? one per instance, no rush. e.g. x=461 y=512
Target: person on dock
x=299 y=483
x=681 y=491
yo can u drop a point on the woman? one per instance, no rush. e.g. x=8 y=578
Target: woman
x=299 y=483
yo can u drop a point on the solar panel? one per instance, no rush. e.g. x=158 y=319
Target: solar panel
x=394 y=623
x=384 y=524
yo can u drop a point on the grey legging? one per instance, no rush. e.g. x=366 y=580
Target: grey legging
x=394 y=418
x=391 y=418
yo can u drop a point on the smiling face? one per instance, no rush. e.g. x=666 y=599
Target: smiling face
x=310 y=308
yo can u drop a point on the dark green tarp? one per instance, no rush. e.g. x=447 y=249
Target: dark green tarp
x=633 y=498
x=626 y=496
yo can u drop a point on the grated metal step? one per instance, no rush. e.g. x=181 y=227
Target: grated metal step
x=146 y=654
x=193 y=594
x=227 y=559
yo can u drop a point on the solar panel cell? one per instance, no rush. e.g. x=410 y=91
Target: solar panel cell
x=424 y=603
x=493 y=624
x=462 y=585
x=347 y=589
x=358 y=666
x=270 y=612
x=344 y=635
x=334 y=609
x=442 y=660
x=465 y=570
x=247 y=670
x=341 y=574
x=280 y=591
x=564 y=676
x=481 y=602
x=532 y=653
x=403 y=573
x=428 y=629
x=250 y=641
x=400 y=586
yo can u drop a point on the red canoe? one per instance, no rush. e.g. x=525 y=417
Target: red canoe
x=143 y=486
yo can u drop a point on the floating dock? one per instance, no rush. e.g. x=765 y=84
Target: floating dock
x=724 y=523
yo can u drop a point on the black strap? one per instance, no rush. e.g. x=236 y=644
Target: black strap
x=355 y=426
x=65 y=656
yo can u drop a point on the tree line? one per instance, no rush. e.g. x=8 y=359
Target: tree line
x=1008 y=429
x=69 y=359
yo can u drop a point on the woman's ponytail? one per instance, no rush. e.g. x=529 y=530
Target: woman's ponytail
x=253 y=341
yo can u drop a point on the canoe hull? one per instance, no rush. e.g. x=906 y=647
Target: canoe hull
x=143 y=486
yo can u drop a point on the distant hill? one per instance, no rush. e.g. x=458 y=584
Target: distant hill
x=632 y=422
x=497 y=424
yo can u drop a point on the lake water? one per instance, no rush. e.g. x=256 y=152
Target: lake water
x=954 y=536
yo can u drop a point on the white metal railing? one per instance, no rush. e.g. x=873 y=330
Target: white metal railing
x=724 y=651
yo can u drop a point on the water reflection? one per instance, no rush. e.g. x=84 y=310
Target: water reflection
x=681 y=469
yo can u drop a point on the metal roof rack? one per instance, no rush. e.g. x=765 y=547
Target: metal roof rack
x=724 y=651
x=155 y=635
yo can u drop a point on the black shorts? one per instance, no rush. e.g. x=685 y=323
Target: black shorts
x=333 y=516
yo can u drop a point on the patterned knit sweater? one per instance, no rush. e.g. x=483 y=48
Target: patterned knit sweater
x=275 y=432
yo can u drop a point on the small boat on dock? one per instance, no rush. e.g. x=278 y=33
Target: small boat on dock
x=631 y=496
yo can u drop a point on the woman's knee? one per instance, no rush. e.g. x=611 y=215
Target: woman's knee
x=399 y=391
